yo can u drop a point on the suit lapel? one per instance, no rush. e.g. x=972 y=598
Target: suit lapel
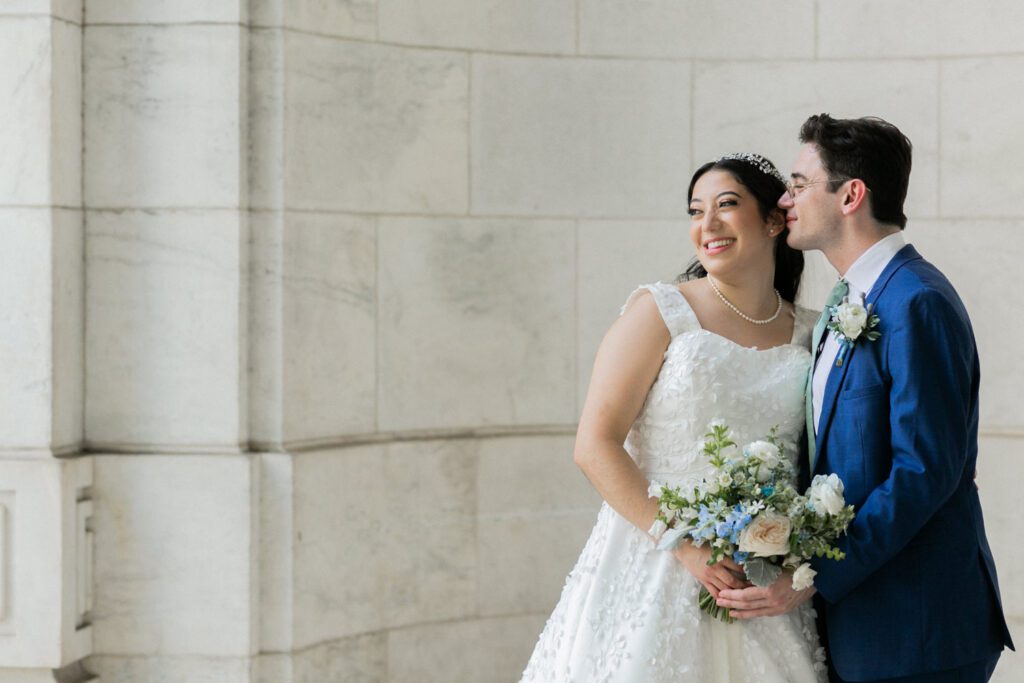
x=837 y=375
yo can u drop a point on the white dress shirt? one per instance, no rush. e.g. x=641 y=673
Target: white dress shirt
x=861 y=277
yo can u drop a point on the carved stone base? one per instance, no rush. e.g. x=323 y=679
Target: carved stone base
x=72 y=673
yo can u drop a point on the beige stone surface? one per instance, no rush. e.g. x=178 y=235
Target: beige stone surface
x=999 y=472
x=26 y=375
x=41 y=602
x=402 y=224
x=384 y=536
x=614 y=257
x=266 y=337
x=543 y=26
x=566 y=137
x=174 y=558
x=342 y=18
x=276 y=557
x=531 y=475
x=26 y=60
x=64 y=148
x=759 y=107
x=966 y=251
x=165 y=338
x=483 y=651
x=176 y=669
x=25 y=393
x=816 y=281
x=375 y=127
x=166 y=11
x=361 y=659
x=163 y=116
x=68 y=10
x=266 y=118
x=887 y=30
x=698 y=29
x=536 y=510
x=329 y=326
x=1011 y=666
x=476 y=322
x=525 y=558
x=981 y=137
x=67 y=244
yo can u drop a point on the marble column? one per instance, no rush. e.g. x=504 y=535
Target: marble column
x=166 y=347
x=46 y=485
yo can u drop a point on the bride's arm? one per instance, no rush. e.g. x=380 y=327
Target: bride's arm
x=627 y=363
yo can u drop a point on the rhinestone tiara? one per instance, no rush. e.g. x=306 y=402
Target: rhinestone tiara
x=756 y=160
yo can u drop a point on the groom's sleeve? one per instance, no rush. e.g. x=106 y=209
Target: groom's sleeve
x=933 y=365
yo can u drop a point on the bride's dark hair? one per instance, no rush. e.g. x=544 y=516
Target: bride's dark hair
x=766 y=187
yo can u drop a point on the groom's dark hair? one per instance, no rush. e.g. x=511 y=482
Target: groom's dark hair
x=868 y=148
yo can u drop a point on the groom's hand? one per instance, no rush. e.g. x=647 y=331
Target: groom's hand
x=769 y=601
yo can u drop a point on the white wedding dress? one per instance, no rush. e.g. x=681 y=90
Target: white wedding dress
x=628 y=612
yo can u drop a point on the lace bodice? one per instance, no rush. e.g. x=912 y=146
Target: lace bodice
x=629 y=612
x=706 y=377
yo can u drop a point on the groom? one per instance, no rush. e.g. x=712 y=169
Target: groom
x=895 y=415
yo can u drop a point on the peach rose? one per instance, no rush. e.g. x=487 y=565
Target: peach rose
x=767 y=535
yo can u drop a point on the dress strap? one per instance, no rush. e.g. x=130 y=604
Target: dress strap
x=674 y=308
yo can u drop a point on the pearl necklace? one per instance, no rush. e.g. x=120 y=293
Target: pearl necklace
x=740 y=313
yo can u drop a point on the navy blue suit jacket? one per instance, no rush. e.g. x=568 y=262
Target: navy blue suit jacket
x=917 y=591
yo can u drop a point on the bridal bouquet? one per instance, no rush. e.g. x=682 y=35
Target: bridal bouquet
x=748 y=510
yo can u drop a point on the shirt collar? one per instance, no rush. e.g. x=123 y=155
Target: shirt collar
x=866 y=269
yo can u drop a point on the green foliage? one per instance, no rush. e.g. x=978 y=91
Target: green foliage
x=744 y=483
x=761 y=572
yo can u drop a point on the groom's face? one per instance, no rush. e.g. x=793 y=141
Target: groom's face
x=812 y=212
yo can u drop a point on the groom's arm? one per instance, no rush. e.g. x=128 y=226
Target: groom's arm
x=931 y=360
x=932 y=363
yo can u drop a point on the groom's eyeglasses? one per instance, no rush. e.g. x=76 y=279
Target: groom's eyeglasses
x=794 y=188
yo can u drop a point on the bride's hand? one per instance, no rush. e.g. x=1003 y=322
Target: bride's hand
x=723 y=574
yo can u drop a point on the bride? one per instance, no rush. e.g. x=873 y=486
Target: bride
x=726 y=343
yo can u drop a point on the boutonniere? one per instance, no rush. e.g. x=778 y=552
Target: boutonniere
x=849 y=322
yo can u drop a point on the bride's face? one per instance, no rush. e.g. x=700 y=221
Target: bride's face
x=726 y=227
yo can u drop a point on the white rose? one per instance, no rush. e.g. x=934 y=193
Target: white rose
x=803 y=577
x=766 y=452
x=852 y=319
x=826 y=494
x=767 y=535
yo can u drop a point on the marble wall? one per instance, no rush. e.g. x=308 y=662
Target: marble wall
x=46 y=493
x=302 y=298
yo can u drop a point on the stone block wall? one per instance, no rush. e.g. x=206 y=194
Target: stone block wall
x=302 y=298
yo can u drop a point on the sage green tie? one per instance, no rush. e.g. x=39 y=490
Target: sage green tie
x=835 y=296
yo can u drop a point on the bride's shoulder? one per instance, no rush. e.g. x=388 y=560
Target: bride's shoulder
x=664 y=299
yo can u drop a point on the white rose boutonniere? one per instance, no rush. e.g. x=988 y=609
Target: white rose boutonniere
x=849 y=321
